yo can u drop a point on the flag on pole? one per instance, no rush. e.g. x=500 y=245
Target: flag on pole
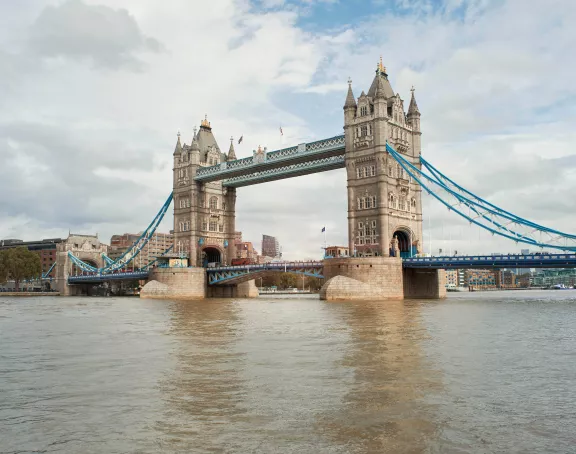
x=240 y=139
x=323 y=229
x=281 y=133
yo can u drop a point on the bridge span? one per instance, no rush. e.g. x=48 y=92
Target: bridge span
x=226 y=275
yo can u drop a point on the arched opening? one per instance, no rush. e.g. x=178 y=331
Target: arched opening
x=211 y=256
x=404 y=244
x=77 y=271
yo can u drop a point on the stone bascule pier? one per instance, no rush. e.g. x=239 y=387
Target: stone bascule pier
x=384 y=204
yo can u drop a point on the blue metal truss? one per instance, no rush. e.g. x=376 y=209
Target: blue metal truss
x=133 y=251
x=94 y=278
x=47 y=273
x=156 y=259
x=267 y=161
x=107 y=260
x=493 y=261
x=481 y=213
x=292 y=170
x=241 y=273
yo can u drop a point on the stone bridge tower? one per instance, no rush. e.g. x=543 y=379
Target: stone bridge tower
x=87 y=248
x=384 y=204
x=204 y=213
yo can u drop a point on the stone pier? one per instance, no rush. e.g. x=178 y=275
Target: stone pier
x=191 y=284
x=378 y=278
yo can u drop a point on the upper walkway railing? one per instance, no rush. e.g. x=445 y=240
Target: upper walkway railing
x=304 y=152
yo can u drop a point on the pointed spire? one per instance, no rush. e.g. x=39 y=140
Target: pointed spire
x=413 y=109
x=231 y=152
x=195 y=146
x=178 y=148
x=350 y=100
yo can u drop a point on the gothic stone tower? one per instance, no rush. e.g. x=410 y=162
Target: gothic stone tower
x=384 y=204
x=204 y=213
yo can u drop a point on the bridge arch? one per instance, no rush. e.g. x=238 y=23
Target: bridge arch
x=407 y=241
x=211 y=254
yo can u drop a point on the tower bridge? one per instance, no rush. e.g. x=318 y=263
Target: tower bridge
x=386 y=173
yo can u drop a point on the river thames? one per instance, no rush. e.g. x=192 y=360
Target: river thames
x=476 y=373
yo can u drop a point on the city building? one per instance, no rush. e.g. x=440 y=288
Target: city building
x=337 y=251
x=455 y=278
x=245 y=250
x=46 y=250
x=480 y=278
x=270 y=246
x=157 y=245
x=551 y=277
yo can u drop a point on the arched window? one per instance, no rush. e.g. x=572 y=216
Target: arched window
x=213 y=203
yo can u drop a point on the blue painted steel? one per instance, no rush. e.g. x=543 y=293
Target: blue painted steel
x=432 y=185
x=480 y=202
x=228 y=274
x=493 y=261
x=91 y=278
x=47 y=273
x=133 y=251
x=278 y=173
x=282 y=161
x=107 y=260
x=80 y=264
x=157 y=258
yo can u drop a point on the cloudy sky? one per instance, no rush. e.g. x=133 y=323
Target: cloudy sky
x=93 y=92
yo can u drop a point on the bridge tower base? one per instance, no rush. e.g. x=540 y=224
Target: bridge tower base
x=175 y=283
x=243 y=290
x=424 y=284
x=378 y=278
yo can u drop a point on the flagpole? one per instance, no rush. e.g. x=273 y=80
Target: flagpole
x=325 y=245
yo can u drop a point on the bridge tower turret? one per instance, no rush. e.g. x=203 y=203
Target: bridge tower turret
x=204 y=213
x=384 y=205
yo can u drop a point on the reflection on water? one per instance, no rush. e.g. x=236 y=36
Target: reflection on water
x=385 y=408
x=476 y=373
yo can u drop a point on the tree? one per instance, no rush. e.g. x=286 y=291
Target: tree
x=18 y=264
x=3 y=269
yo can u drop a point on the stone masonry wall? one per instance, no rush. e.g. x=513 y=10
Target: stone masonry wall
x=376 y=278
x=424 y=284
x=177 y=283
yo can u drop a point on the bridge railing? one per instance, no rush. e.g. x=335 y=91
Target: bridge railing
x=275 y=265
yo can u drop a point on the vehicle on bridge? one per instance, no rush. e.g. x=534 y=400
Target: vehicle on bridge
x=242 y=261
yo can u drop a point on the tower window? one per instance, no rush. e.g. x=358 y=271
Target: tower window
x=359 y=172
x=363 y=111
x=363 y=131
x=213 y=226
x=213 y=203
x=372 y=171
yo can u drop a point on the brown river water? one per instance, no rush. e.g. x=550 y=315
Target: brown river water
x=477 y=373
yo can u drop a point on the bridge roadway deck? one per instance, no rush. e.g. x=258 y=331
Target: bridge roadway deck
x=303 y=159
x=98 y=278
x=234 y=274
x=493 y=261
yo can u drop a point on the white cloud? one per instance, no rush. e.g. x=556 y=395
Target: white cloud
x=96 y=138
